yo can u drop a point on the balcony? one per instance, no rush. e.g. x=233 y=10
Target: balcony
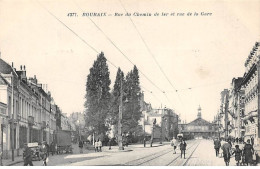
x=31 y=120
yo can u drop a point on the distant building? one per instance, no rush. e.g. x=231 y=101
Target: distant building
x=166 y=126
x=199 y=128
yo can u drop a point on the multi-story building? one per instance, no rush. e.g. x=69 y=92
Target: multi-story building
x=251 y=85
x=235 y=108
x=25 y=110
x=222 y=124
x=65 y=125
x=166 y=126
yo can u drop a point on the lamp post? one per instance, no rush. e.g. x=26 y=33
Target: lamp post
x=120 y=140
x=12 y=113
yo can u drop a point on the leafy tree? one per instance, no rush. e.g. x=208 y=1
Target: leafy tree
x=132 y=109
x=115 y=99
x=98 y=96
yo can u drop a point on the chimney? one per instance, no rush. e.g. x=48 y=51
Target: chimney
x=12 y=64
x=21 y=67
x=24 y=67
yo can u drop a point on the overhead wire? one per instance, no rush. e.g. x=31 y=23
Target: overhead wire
x=154 y=58
x=85 y=42
x=109 y=39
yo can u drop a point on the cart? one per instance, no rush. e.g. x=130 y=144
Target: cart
x=35 y=151
x=64 y=142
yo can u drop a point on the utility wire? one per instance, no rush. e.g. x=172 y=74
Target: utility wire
x=89 y=44
x=119 y=49
x=154 y=58
x=74 y=32
x=148 y=49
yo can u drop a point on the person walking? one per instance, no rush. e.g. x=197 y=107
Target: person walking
x=27 y=155
x=252 y=141
x=183 y=146
x=174 y=145
x=80 y=146
x=109 y=144
x=217 y=146
x=238 y=154
x=52 y=148
x=226 y=147
x=43 y=153
x=96 y=146
x=48 y=149
x=100 y=145
x=248 y=152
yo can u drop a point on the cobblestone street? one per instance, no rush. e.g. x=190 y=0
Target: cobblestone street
x=136 y=155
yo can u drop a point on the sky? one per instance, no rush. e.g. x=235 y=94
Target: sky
x=199 y=55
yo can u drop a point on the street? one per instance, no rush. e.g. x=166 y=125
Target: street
x=198 y=153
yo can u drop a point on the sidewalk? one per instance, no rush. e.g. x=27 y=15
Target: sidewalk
x=9 y=162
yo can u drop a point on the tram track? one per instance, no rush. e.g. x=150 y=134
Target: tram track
x=187 y=158
x=156 y=155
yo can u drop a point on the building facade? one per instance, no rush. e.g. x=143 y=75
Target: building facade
x=251 y=85
x=199 y=128
x=26 y=110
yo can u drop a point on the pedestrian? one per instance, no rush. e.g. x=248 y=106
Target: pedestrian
x=96 y=146
x=48 y=149
x=237 y=140
x=52 y=148
x=80 y=146
x=109 y=144
x=217 y=146
x=174 y=145
x=248 y=153
x=183 y=146
x=238 y=154
x=220 y=150
x=27 y=155
x=226 y=147
x=100 y=145
x=252 y=141
x=144 y=142
x=240 y=139
x=43 y=153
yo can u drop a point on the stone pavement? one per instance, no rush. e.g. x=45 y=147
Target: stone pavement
x=66 y=159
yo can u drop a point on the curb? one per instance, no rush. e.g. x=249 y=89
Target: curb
x=16 y=162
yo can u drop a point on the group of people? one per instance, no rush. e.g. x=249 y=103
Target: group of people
x=182 y=144
x=98 y=145
x=243 y=156
x=28 y=153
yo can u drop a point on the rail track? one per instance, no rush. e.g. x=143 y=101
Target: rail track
x=157 y=155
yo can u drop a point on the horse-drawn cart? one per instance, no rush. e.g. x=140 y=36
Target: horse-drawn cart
x=64 y=142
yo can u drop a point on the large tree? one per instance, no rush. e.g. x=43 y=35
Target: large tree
x=98 y=96
x=132 y=109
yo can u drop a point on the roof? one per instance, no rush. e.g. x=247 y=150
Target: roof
x=3 y=81
x=199 y=121
x=5 y=68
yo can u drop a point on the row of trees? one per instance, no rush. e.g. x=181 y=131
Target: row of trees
x=102 y=105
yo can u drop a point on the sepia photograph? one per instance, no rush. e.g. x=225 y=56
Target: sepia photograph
x=129 y=83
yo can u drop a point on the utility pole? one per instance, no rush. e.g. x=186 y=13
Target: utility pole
x=226 y=114
x=120 y=141
x=258 y=107
x=12 y=112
